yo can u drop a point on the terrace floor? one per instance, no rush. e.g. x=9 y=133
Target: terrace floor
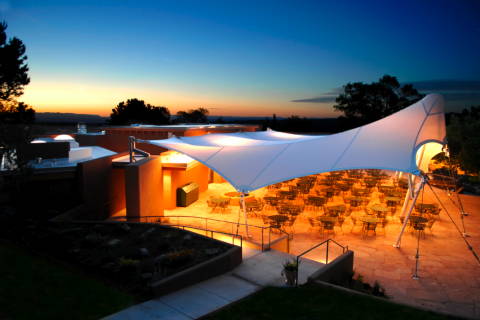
x=449 y=275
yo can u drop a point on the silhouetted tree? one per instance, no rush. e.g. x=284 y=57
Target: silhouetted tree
x=219 y=120
x=199 y=115
x=463 y=134
x=15 y=117
x=13 y=66
x=363 y=103
x=295 y=123
x=136 y=111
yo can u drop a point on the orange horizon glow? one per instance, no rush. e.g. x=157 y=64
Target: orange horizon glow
x=100 y=99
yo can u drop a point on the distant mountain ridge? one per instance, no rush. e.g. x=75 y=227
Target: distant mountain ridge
x=59 y=117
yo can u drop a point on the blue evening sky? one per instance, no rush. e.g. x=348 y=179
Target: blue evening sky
x=241 y=57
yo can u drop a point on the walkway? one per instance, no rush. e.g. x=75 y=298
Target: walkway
x=257 y=270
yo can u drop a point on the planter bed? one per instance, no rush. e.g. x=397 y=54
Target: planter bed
x=133 y=255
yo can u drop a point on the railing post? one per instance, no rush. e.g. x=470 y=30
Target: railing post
x=269 y=237
x=296 y=273
x=326 y=258
x=262 y=240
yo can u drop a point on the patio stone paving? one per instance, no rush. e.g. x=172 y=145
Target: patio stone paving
x=449 y=275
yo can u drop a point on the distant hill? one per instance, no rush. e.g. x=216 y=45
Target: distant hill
x=57 y=117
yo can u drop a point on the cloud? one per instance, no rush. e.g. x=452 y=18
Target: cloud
x=457 y=93
x=323 y=98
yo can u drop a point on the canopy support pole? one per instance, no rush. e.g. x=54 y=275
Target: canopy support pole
x=244 y=208
x=405 y=221
x=409 y=195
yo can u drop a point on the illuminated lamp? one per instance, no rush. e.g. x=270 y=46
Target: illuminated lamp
x=176 y=157
x=63 y=137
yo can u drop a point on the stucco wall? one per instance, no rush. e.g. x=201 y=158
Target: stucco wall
x=336 y=271
x=100 y=188
x=144 y=188
x=179 y=177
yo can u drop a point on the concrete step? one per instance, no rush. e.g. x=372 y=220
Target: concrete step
x=265 y=269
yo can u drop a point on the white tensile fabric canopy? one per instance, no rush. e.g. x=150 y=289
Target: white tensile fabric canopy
x=404 y=141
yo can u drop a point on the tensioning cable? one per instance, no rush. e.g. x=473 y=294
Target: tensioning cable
x=456 y=227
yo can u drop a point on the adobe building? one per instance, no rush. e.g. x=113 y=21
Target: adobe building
x=93 y=173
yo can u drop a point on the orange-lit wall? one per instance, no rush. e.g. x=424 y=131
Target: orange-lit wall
x=117 y=190
x=101 y=187
x=179 y=177
x=144 y=188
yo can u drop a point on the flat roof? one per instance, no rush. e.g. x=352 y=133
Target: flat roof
x=65 y=163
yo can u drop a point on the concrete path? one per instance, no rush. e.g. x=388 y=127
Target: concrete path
x=258 y=269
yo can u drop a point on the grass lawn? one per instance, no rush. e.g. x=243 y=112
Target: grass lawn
x=34 y=288
x=312 y=302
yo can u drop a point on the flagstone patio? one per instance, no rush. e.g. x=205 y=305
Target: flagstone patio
x=449 y=275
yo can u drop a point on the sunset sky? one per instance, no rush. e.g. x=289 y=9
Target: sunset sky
x=251 y=58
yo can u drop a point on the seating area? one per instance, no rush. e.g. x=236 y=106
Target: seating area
x=362 y=202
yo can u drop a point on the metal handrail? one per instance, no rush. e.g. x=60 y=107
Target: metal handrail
x=344 y=249
x=211 y=233
x=206 y=219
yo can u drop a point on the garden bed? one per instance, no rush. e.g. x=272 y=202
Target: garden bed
x=132 y=256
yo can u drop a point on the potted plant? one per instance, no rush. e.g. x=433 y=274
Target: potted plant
x=290 y=272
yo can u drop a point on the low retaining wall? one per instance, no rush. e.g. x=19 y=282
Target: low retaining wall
x=203 y=271
x=337 y=271
x=200 y=272
x=281 y=244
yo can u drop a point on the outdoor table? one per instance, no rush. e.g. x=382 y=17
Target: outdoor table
x=329 y=192
x=425 y=207
x=368 y=220
x=336 y=210
x=271 y=200
x=328 y=223
x=418 y=222
x=355 y=201
x=418 y=219
x=360 y=191
x=219 y=202
x=386 y=189
x=327 y=219
x=397 y=194
x=253 y=206
x=316 y=201
x=379 y=209
x=278 y=220
x=392 y=201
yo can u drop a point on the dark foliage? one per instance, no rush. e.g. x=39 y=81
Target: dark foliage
x=15 y=117
x=463 y=134
x=363 y=103
x=13 y=67
x=136 y=111
x=198 y=115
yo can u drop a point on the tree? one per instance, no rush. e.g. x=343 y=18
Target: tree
x=198 y=115
x=364 y=103
x=15 y=117
x=13 y=66
x=136 y=111
x=463 y=134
